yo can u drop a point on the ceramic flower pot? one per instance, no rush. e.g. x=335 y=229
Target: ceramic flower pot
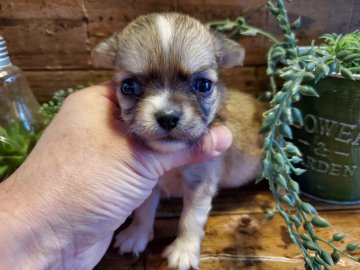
x=330 y=141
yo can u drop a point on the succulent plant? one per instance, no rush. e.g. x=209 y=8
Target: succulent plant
x=297 y=69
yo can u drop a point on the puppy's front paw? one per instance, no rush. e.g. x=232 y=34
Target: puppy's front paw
x=183 y=254
x=133 y=239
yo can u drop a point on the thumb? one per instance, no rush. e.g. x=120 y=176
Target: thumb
x=214 y=143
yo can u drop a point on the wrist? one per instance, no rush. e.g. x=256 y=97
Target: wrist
x=26 y=238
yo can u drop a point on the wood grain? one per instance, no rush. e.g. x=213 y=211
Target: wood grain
x=236 y=237
x=60 y=34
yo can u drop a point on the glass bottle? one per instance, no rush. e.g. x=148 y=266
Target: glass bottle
x=19 y=118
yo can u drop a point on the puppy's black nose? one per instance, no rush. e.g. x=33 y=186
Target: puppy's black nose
x=168 y=119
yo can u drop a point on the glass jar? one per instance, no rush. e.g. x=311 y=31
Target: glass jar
x=20 y=122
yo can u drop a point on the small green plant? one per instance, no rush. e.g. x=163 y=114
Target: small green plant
x=346 y=47
x=49 y=109
x=16 y=142
x=298 y=70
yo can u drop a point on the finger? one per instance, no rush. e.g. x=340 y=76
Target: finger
x=214 y=144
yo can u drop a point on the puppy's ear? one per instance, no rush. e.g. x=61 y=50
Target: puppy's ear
x=105 y=53
x=229 y=52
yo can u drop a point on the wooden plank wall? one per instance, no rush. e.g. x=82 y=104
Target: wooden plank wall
x=52 y=39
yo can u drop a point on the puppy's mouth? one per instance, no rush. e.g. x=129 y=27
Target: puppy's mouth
x=169 y=143
x=169 y=138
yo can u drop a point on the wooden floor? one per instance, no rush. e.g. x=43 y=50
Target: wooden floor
x=236 y=237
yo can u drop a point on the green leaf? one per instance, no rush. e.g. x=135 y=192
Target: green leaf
x=280 y=180
x=267 y=142
x=290 y=148
x=275 y=56
x=306 y=207
x=240 y=21
x=295 y=159
x=249 y=32
x=289 y=38
x=3 y=170
x=225 y=27
x=307 y=226
x=351 y=247
x=310 y=66
x=284 y=215
x=308 y=76
x=296 y=221
x=298 y=171
x=326 y=257
x=341 y=55
x=287 y=201
x=338 y=237
x=332 y=66
x=320 y=261
x=274 y=10
x=296 y=113
x=279 y=96
x=267 y=123
x=266 y=164
x=324 y=69
x=295 y=97
x=308 y=91
x=269 y=215
x=288 y=75
x=319 y=222
x=293 y=239
x=279 y=159
x=294 y=186
x=280 y=4
x=296 y=24
x=311 y=245
x=335 y=257
x=351 y=57
x=305 y=237
x=285 y=130
x=308 y=264
x=346 y=73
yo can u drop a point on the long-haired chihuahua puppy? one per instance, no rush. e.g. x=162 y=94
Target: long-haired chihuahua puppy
x=168 y=88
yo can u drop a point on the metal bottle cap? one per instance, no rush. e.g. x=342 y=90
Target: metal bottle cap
x=4 y=57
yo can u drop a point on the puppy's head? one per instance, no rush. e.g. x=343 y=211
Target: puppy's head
x=166 y=72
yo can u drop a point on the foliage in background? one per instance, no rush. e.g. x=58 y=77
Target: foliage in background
x=16 y=142
x=349 y=47
x=49 y=109
x=298 y=70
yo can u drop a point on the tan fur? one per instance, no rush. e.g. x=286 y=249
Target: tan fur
x=165 y=62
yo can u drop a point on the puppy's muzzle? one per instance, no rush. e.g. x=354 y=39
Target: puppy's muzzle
x=168 y=119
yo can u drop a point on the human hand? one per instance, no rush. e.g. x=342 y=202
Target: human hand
x=83 y=179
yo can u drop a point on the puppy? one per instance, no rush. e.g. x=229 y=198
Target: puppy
x=168 y=88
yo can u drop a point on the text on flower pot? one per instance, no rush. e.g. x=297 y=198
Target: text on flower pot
x=339 y=131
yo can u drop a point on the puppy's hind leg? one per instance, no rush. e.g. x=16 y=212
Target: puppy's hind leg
x=184 y=252
x=137 y=235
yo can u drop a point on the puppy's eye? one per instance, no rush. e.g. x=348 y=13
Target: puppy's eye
x=202 y=85
x=130 y=87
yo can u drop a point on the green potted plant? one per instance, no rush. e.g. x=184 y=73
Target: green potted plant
x=330 y=136
x=305 y=72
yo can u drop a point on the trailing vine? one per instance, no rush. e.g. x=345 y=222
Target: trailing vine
x=298 y=70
